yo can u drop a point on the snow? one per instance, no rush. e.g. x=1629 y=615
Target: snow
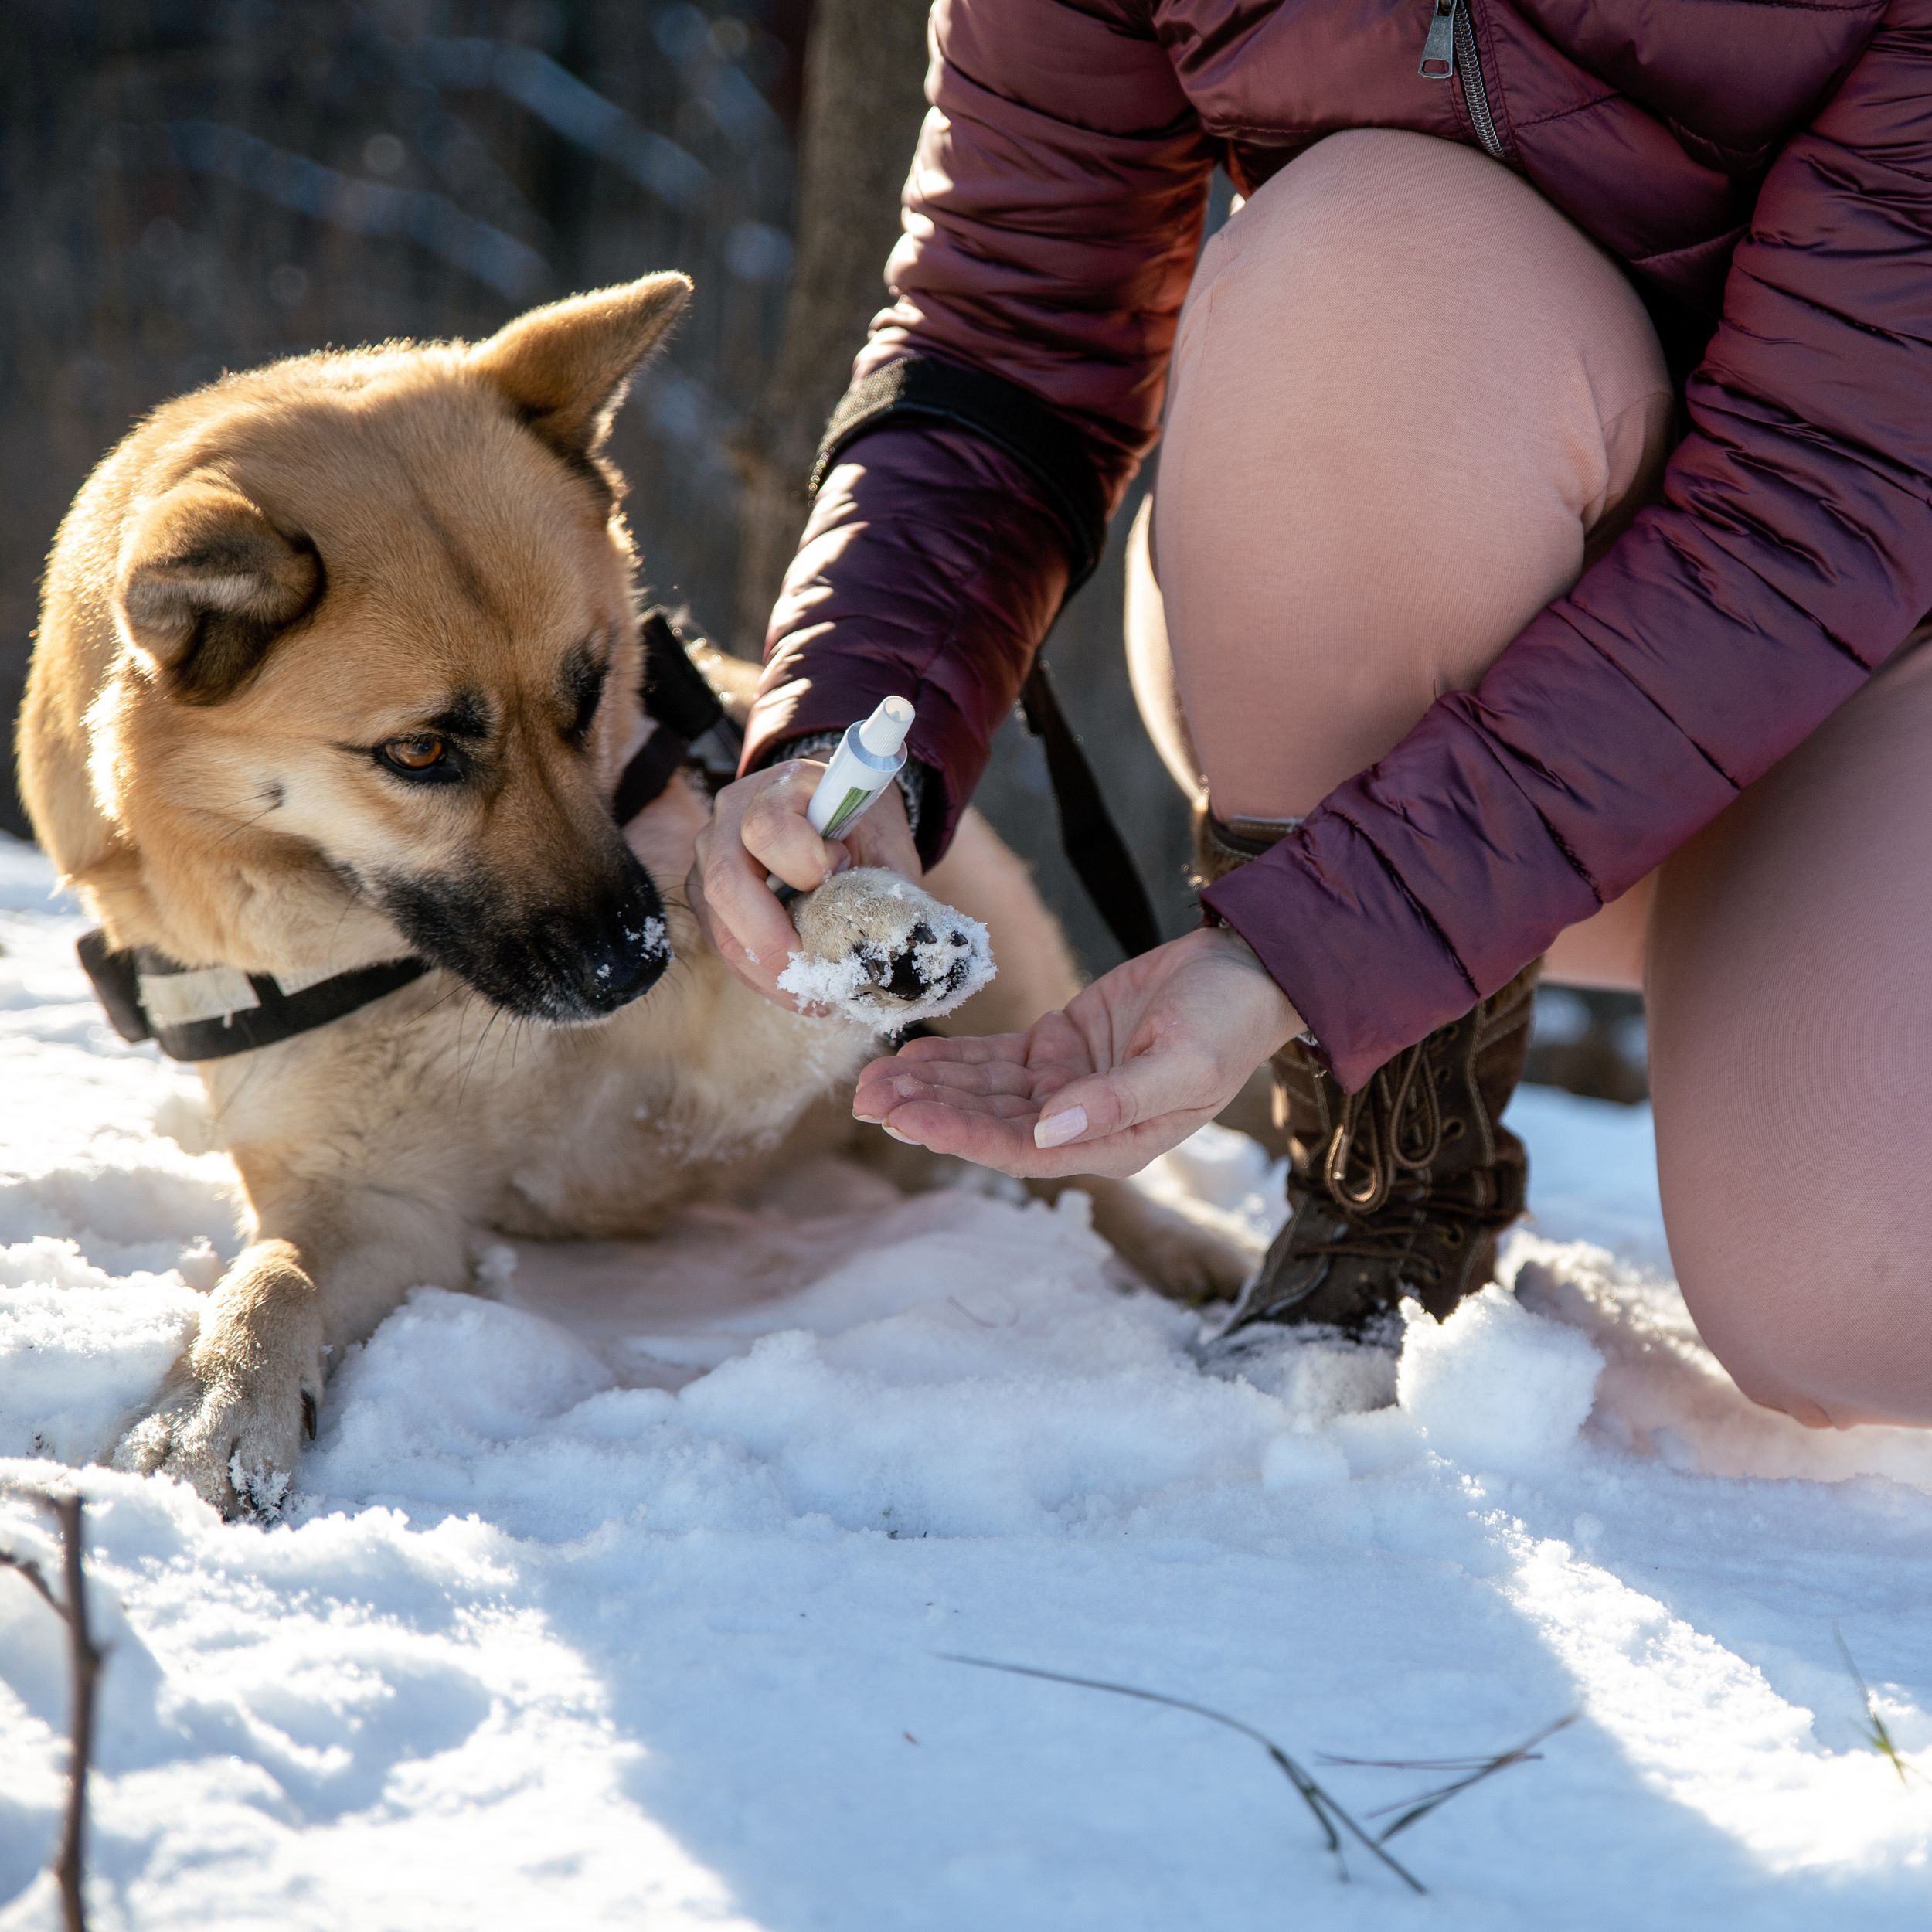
x=1496 y=1385
x=624 y=1590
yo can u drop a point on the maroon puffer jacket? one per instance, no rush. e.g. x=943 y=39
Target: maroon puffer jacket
x=1764 y=170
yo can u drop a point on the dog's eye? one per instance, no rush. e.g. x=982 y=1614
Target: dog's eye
x=421 y=752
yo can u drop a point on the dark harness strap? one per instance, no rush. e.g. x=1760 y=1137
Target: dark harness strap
x=207 y=1012
x=679 y=700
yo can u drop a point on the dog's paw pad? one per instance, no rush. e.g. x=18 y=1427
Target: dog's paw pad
x=261 y=1492
x=882 y=953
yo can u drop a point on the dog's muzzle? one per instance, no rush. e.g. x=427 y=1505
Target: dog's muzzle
x=567 y=963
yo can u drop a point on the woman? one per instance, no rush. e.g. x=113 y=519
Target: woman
x=1545 y=475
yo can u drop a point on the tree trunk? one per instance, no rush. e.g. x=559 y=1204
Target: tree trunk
x=865 y=65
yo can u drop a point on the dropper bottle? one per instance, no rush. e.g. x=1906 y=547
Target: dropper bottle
x=870 y=756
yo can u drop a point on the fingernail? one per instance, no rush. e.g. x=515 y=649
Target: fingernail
x=897 y=1136
x=843 y=864
x=1056 y=1130
x=868 y=1120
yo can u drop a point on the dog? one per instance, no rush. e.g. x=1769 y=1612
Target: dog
x=338 y=667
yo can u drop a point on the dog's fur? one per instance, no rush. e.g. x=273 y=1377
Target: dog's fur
x=270 y=580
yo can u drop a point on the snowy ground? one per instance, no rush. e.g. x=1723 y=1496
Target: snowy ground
x=622 y=1593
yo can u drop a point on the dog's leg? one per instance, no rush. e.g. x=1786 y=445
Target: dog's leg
x=231 y=1418
x=1193 y=1255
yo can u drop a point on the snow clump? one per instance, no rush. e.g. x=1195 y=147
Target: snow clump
x=1494 y=1386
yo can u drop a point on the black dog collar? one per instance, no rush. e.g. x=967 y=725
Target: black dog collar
x=207 y=1012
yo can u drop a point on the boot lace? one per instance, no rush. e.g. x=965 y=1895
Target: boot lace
x=1391 y=1129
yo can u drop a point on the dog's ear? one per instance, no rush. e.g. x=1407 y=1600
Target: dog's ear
x=206 y=583
x=565 y=368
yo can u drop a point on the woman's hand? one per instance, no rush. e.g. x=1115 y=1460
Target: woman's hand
x=758 y=826
x=1129 y=1069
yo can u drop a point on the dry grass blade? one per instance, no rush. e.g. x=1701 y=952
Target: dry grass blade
x=1873 y=1730
x=1415 y=1810
x=1332 y=1817
x=1471 y=1763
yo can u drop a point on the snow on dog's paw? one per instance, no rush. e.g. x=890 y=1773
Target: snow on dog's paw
x=234 y=1444
x=879 y=951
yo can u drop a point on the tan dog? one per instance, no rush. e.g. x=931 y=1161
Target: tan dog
x=337 y=664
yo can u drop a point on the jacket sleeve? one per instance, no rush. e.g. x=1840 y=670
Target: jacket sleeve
x=1791 y=553
x=1006 y=395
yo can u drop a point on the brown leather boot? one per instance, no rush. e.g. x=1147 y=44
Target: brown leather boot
x=1401 y=1189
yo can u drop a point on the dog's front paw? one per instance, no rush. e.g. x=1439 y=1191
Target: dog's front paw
x=880 y=952
x=233 y=1440
x=231 y=1418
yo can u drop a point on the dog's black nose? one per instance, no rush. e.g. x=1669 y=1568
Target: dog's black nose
x=597 y=958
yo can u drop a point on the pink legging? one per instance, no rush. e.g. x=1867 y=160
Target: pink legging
x=1409 y=402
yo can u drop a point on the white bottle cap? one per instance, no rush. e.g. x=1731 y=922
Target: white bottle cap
x=884 y=732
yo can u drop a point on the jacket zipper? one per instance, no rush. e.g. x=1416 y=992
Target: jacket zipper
x=1451 y=43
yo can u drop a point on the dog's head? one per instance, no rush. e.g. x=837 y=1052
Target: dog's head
x=377 y=639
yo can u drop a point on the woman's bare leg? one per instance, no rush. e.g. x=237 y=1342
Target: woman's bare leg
x=1410 y=402
x=1790 y=991
x=1407 y=397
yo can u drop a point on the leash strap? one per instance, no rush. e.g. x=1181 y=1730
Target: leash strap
x=1092 y=840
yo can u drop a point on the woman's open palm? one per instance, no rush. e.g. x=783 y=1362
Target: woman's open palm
x=1128 y=1068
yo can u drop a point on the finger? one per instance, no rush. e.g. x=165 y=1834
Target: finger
x=967 y=1048
x=1167 y=1080
x=874 y=1099
x=878 y=1103
x=991 y=1076
x=1005 y=1144
x=987 y=1139
x=733 y=881
x=1006 y=1107
x=1120 y=1154
x=726 y=943
x=779 y=837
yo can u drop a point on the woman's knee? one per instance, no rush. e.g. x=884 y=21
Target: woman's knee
x=1764 y=1352
x=1828 y=1354
x=1789 y=983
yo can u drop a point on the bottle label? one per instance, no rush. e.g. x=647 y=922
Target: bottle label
x=847 y=809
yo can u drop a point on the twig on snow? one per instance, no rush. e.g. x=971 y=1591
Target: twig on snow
x=1873 y=1730
x=1328 y=1814
x=85 y=1657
